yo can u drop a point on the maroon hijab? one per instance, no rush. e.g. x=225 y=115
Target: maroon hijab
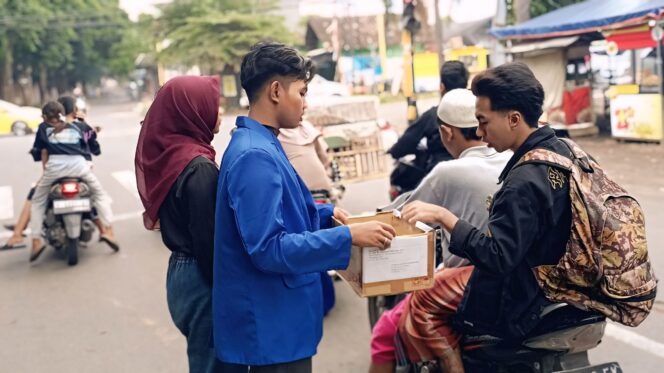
x=177 y=128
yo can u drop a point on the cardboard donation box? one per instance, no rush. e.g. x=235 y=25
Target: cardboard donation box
x=407 y=265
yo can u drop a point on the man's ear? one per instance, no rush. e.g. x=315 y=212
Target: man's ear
x=447 y=132
x=274 y=91
x=514 y=117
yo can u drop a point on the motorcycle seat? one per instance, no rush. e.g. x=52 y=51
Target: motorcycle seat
x=556 y=317
x=68 y=178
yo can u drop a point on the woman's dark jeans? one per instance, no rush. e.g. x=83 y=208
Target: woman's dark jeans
x=189 y=302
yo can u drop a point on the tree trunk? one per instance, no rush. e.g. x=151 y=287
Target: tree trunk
x=6 y=79
x=43 y=83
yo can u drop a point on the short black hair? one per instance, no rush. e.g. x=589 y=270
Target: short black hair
x=266 y=60
x=470 y=134
x=52 y=109
x=68 y=103
x=512 y=86
x=453 y=75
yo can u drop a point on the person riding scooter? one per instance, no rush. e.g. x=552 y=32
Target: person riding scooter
x=464 y=184
x=64 y=148
x=422 y=139
x=72 y=113
x=529 y=225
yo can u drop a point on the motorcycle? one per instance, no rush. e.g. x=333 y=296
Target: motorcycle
x=560 y=344
x=68 y=222
x=336 y=192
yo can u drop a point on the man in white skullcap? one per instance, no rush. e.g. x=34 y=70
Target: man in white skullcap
x=463 y=185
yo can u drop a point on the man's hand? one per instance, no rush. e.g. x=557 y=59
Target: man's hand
x=341 y=215
x=372 y=234
x=428 y=213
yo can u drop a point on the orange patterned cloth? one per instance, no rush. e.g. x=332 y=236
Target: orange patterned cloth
x=425 y=326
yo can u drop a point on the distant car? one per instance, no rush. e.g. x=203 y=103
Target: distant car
x=18 y=120
x=318 y=87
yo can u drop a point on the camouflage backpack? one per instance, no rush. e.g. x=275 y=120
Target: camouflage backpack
x=605 y=266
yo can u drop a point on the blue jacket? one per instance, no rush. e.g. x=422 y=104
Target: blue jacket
x=268 y=252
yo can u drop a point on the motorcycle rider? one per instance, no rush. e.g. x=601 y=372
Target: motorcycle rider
x=453 y=75
x=72 y=113
x=463 y=184
x=63 y=149
x=529 y=225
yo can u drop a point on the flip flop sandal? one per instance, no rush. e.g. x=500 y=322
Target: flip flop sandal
x=36 y=254
x=114 y=245
x=10 y=247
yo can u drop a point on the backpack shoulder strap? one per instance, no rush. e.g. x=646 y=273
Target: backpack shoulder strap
x=546 y=157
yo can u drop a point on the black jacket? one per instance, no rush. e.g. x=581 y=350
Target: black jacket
x=529 y=225
x=425 y=126
x=187 y=214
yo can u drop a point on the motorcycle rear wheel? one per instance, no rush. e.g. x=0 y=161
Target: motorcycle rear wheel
x=72 y=251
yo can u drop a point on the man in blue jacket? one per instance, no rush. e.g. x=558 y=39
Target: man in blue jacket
x=269 y=245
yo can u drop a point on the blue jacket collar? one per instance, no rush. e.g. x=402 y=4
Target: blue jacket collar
x=246 y=122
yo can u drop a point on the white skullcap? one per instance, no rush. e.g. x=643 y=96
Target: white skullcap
x=457 y=109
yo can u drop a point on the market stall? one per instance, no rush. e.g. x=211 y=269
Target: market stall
x=564 y=65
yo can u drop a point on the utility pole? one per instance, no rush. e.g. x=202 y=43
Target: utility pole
x=410 y=26
x=382 y=49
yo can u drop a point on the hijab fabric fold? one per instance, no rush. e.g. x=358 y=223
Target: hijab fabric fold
x=178 y=127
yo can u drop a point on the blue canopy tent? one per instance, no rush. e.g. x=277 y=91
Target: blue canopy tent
x=588 y=16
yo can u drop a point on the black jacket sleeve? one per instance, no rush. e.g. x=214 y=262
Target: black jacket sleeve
x=407 y=143
x=200 y=191
x=514 y=224
x=89 y=137
x=39 y=143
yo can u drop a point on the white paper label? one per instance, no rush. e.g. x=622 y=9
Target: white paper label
x=406 y=258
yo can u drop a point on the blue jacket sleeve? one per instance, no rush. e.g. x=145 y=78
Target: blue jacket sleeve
x=325 y=212
x=256 y=191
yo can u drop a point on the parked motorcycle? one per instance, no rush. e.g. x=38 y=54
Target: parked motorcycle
x=68 y=220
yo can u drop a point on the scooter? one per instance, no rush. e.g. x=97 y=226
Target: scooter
x=68 y=221
x=560 y=344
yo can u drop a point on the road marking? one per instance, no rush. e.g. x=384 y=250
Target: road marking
x=127 y=216
x=127 y=179
x=635 y=340
x=6 y=202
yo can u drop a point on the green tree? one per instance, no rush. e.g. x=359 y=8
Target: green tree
x=214 y=34
x=58 y=43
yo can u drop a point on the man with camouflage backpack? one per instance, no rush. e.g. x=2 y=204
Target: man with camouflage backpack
x=519 y=264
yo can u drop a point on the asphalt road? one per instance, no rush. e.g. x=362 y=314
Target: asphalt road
x=109 y=313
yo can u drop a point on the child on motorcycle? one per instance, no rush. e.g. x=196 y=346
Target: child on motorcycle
x=64 y=149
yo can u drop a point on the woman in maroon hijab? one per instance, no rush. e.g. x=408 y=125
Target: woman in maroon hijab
x=177 y=175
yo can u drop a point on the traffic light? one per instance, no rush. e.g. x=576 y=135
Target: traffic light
x=408 y=20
